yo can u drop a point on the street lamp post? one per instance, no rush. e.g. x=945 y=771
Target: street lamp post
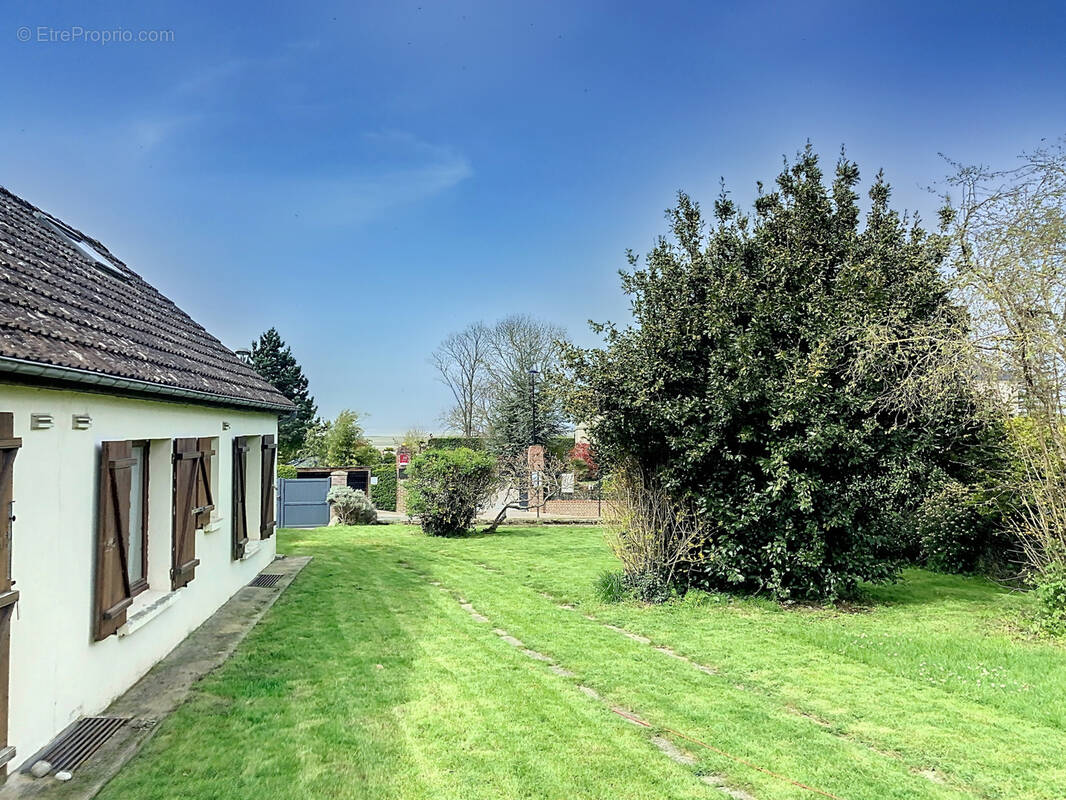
x=533 y=373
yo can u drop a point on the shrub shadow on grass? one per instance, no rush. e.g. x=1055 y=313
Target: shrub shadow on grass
x=511 y=532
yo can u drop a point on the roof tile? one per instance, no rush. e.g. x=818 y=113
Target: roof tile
x=58 y=308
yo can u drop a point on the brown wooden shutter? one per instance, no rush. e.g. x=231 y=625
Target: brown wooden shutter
x=205 y=501
x=113 y=595
x=266 y=495
x=240 y=484
x=9 y=446
x=187 y=458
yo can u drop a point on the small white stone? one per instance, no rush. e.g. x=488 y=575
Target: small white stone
x=63 y=775
x=40 y=769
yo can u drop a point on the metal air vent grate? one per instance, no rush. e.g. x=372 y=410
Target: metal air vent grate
x=71 y=750
x=266 y=579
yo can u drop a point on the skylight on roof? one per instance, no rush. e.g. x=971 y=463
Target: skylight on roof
x=98 y=259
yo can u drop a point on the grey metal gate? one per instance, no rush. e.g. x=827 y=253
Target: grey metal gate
x=302 y=502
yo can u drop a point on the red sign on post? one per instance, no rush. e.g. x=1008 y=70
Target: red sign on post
x=403 y=459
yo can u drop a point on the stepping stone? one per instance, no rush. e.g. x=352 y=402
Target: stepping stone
x=673 y=654
x=473 y=612
x=719 y=783
x=508 y=638
x=536 y=656
x=562 y=672
x=672 y=751
x=931 y=775
x=636 y=637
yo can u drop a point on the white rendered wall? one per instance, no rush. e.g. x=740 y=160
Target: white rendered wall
x=58 y=673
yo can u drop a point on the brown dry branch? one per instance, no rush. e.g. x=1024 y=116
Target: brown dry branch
x=517 y=480
x=650 y=532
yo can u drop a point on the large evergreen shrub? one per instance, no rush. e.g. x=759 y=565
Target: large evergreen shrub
x=742 y=388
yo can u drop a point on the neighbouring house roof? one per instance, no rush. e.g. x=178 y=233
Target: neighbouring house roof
x=73 y=313
x=381 y=442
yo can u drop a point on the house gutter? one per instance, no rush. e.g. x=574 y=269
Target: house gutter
x=97 y=381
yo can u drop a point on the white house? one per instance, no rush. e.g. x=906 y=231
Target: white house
x=137 y=462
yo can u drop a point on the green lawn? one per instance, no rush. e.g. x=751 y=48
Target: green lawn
x=366 y=680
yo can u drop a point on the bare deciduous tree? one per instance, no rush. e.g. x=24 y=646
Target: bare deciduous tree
x=462 y=363
x=1008 y=237
x=1004 y=237
x=486 y=368
x=522 y=342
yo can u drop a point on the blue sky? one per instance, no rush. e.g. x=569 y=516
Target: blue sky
x=370 y=178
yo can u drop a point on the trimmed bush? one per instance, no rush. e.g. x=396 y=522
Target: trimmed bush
x=352 y=505
x=286 y=471
x=384 y=493
x=446 y=488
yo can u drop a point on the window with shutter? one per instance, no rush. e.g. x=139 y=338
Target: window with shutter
x=9 y=447
x=205 y=502
x=137 y=560
x=113 y=595
x=240 y=492
x=266 y=494
x=187 y=476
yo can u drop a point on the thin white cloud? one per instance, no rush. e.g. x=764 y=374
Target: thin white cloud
x=359 y=196
x=206 y=80
x=147 y=133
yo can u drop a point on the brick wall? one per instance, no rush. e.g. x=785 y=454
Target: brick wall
x=588 y=509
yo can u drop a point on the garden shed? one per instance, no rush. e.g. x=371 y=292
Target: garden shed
x=358 y=477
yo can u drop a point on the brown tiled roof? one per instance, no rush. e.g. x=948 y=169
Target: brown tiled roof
x=59 y=308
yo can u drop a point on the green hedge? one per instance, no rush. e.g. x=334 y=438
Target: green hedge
x=286 y=471
x=384 y=494
x=557 y=445
x=455 y=442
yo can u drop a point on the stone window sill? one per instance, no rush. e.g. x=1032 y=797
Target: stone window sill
x=147 y=606
x=214 y=525
x=251 y=547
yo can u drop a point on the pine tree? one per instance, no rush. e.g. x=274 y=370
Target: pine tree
x=274 y=361
x=511 y=417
